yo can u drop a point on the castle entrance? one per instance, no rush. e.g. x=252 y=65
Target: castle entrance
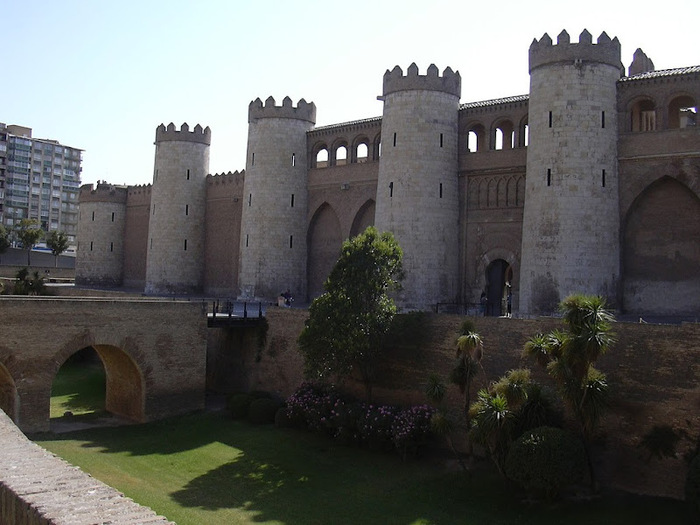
x=499 y=276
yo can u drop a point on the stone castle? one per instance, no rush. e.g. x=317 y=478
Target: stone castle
x=591 y=183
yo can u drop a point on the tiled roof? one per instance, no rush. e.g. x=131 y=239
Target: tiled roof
x=494 y=102
x=662 y=73
x=344 y=124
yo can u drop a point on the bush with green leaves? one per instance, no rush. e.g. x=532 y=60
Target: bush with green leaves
x=545 y=460
x=692 y=487
x=263 y=410
x=238 y=405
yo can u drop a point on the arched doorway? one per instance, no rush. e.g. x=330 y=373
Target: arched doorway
x=499 y=278
x=8 y=393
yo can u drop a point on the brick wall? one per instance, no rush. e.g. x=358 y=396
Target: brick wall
x=653 y=372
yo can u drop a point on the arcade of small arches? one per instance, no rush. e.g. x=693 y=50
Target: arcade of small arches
x=644 y=114
x=341 y=151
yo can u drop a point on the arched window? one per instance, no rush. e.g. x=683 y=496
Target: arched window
x=322 y=158
x=504 y=135
x=643 y=116
x=362 y=152
x=476 y=138
x=682 y=113
x=341 y=156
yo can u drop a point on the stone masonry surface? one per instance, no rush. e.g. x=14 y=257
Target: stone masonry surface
x=39 y=488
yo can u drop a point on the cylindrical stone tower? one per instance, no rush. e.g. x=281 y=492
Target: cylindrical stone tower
x=417 y=190
x=100 y=257
x=175 y=251
x=275 y=195
x=570 y=241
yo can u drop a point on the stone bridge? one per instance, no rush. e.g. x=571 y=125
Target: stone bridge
x=153 y=351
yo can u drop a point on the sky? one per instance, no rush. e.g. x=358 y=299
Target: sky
x=102 y=75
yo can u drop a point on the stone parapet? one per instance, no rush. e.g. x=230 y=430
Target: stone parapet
x=38 y=488
x=605 y=51
x=198 y=134
x=303 y=111
x=450 y=82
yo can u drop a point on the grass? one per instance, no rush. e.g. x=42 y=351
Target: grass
x=79 y=388
x=207 y=468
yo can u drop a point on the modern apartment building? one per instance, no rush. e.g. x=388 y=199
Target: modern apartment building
x=39 y=179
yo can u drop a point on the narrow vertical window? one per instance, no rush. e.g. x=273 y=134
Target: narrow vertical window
x=246 y=240
x=250 y=198
x=603 y=178
x=291 y=241
x=252 y=159
x=292 y=200
x=188 y=174
x=187 y=209
x=112 y=216
x=154 y=209
x=111 y=246
x=391 y=189
x=602 y=119
x=441 y=190
x=151 y=243
x=185 y=244
x=156 y=177
x=549 y=177
x=93 y=215
x=441 y=139
x=294 y=159
x=90 y=245
x=550 y=119
x=394 y=139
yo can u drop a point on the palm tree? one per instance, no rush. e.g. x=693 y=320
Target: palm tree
x=569 y=357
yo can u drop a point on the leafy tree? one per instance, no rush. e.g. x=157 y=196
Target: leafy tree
x=568 y=357
x=348 y=322
x=57 y=241
x=29 y=233
x=4 y=239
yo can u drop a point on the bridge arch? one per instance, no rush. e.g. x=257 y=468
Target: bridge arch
x=124 y=382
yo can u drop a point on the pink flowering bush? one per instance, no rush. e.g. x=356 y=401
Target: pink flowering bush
x=411 y=428
x=379 y=427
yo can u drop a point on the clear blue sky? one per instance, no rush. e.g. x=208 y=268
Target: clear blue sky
x=102 y=76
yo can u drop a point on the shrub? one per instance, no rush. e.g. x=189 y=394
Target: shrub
x=375 y=426
x=263 y=410
x=411 y=428
x=692 y=486
x=545 y=460
x=238 y=405
x=311 y=406
x=281 y=418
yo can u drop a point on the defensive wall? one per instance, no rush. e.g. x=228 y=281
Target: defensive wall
x=652 y=370
x=153 y=351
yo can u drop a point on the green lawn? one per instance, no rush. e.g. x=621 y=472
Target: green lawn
x=208 y=469
x=79 y=388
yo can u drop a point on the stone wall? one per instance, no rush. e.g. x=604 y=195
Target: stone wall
x=38 y=488
x=653 y=372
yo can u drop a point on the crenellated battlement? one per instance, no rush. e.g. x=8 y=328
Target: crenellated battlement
x=171 y=134
x=450 y=82
x=303 y=111
x=606 y=51
x=104 y=192
x=223 y=178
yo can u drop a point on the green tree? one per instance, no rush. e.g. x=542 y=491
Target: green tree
x=29 y=233
x=348 y=322
x=57 y=241
x=4 y=239
x=568 y=357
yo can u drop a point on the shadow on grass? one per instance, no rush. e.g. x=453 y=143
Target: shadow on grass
x=287 y=476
